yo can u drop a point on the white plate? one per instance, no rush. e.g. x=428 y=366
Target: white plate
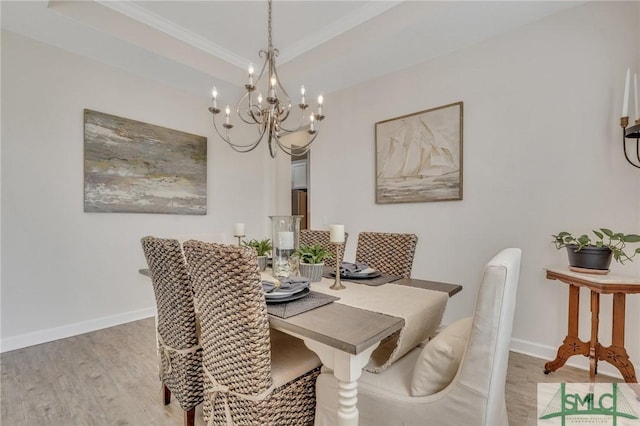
x=279 y=294
x=295 y=296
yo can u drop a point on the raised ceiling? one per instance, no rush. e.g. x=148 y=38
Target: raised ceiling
x=328 y=45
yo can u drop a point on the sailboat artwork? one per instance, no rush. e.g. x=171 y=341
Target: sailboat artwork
x=419 y=156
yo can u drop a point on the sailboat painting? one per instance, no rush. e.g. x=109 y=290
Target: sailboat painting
x=419 y=156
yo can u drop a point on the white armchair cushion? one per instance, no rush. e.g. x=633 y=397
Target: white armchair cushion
x=440 y=358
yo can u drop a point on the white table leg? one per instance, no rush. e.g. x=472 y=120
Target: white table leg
x=347 y=369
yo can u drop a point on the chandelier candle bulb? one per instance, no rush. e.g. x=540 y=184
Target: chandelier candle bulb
x=214 y=94
x=625 y=99
x=336 y=233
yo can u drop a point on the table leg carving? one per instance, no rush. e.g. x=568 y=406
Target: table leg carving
x=347 y=400
x=618 y=357
x=570 y=346
x=347 y=369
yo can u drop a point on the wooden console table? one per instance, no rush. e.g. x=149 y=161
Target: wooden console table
x=616 y=354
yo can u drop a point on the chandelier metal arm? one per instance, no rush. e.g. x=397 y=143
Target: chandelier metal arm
x=300 y=127
x=298 y=150
x=238 y=147
x=253 y=115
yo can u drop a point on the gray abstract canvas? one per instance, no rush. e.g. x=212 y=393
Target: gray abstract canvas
x=136 y=167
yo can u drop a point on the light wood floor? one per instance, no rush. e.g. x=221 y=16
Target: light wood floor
x=109 y=377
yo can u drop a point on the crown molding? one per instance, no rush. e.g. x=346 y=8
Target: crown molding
x=164 y=25
x=336 y=28
x=305 y=44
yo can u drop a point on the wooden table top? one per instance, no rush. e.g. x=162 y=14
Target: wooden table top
x=340 y=326
x=450 y=289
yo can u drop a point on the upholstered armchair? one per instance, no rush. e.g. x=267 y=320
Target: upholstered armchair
x=457 y=379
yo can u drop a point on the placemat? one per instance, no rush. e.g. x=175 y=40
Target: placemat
x=311 y=301
x=382 y=279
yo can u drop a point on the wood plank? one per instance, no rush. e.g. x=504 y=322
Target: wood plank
x=451 y=289
x=324 y=324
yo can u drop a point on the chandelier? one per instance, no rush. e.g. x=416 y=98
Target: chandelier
x=268 y=115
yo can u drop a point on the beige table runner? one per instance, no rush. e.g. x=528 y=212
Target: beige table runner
x=421 y=310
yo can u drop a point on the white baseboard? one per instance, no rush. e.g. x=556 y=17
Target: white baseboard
x=48 y=335
x=549 y=353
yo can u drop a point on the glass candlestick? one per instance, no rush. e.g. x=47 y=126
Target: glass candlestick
x=337 y=284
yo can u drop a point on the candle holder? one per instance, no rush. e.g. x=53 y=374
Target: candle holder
x=239 y=237
x=632 y=132
x=285 y=235
x=337 y=284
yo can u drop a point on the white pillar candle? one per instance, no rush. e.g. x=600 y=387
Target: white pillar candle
x=285 y=240
x=336 y=233
x=635 y=94
x=625 y=99
x=238 y=230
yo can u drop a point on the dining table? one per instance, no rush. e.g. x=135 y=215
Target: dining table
x=346 y=335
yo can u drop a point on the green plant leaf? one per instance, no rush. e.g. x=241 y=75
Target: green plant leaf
x=583 y=240
x=598 y=234
x=607 y=232
x=631 y=238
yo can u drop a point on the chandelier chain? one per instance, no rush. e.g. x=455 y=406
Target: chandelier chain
x=269 y=28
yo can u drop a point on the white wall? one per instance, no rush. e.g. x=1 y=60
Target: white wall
x=64 y=271
x=542 y=154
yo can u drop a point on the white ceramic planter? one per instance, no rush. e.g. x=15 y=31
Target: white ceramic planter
x=312 y=271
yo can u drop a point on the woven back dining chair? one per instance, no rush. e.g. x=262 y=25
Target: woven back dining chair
x=252 y=375
x=387 y=252
x=309 y=237
x=178 y=348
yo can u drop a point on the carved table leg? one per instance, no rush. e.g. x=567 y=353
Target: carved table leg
x=571 y=345
x=347 y=369
x=593 y=344
x=616 y=354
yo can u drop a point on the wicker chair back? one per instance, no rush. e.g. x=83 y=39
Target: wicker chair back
x=180 y=355
x=387 y=252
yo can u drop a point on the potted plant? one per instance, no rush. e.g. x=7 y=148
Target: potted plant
x=596 y=252
x=312 y=261
x=262 y=248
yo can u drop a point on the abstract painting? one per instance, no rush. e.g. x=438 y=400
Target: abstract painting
x=419 y=156
x=136 y=167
